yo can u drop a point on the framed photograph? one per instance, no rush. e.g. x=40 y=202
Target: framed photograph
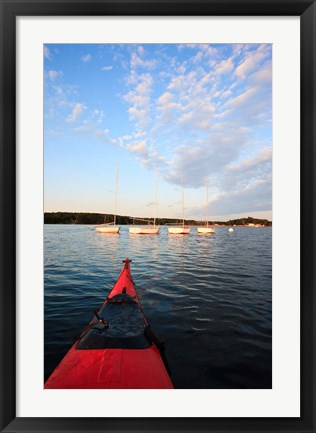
x=180 y=136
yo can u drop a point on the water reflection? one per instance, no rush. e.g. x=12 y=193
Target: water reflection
x=208 y=297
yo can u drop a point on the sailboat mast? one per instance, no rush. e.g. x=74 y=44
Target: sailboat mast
x=155 y=204
x=182 y=203
x=116 y=195
x=206 y=202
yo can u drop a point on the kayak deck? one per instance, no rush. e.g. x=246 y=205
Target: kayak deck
x=117 y=349
x=125 y=330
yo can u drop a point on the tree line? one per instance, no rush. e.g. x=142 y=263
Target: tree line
x=98 y=218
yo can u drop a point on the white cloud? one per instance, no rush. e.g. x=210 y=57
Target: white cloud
x=53 y=75
x=139 y=134
x=226 y=94
x=203 y=52
x=57 y=96
x=176 y=83
x=187 y=100
x=137 y=61
x=212 y=119
x=186 y=117
x=255 y=197
x=55 y=132
x=198 y=113
x=264 y=155
x=138 y=147
x=89 y=127
x=145 y=84
x=208 y=156
x=77 y=110
x=126 y=137
x=242 y=99
x=235 y=187
x=167 y=107
x=98 y=115
x=165 y=98
x=203 y=116
x=47 y=53
x=263 y=76
x=86 y=58
x=107 y=68
x=225 y=66
x=86 y=126
x=252 y=60
x=139 y=99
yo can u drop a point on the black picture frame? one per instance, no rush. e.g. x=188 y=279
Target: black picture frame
x=10 y=9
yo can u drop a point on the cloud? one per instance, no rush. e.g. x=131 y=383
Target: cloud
x=138 y=147
x=242 y=99
x=204 y=111
x=57 y=98
x=252 y=60
x=140 y=115
x=167 y=108
x=55 y=132
x=177 y=83
x=250 y=100
x=138 y=62
x=165 y=98
x=77 y=110
x=225 y=66
x=139 y=99
x=225 y=94
x=47 y=53
x=247 y=176
x=263 y=155
x=86 y=58
x=187 y=101
x=245 y=186
x=201 y=110
x=54 y=75
x=256 y=197
x=89 y=127
x=145 y=84
x=86 y=126
x=263 y=76
x=209 y=156
x=204 y=52
x=98 y=115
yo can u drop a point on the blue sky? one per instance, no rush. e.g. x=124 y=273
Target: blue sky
x=197 y=110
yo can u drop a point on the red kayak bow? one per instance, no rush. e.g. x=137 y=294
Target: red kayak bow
x=117 y=349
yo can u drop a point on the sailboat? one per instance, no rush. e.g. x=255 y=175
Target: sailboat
x=206 y=228
x=110 y=228
x=181 y=229
x=150 y=229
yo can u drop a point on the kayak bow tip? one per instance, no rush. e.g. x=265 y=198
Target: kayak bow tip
x=127 y=261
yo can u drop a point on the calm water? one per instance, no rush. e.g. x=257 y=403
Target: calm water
x=209 y=298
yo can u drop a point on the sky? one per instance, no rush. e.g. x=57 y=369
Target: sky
x=197 y=113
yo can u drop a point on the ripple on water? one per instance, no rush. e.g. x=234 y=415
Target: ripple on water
x=208 y=297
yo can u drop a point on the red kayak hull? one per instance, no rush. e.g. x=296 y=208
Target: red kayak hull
x=108 y=368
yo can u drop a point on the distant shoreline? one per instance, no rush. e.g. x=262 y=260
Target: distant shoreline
x=98 y=218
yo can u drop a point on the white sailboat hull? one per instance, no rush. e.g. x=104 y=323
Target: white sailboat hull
x=179 y=230
x=144 y=230
x=206 y=230
x=108 y=229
